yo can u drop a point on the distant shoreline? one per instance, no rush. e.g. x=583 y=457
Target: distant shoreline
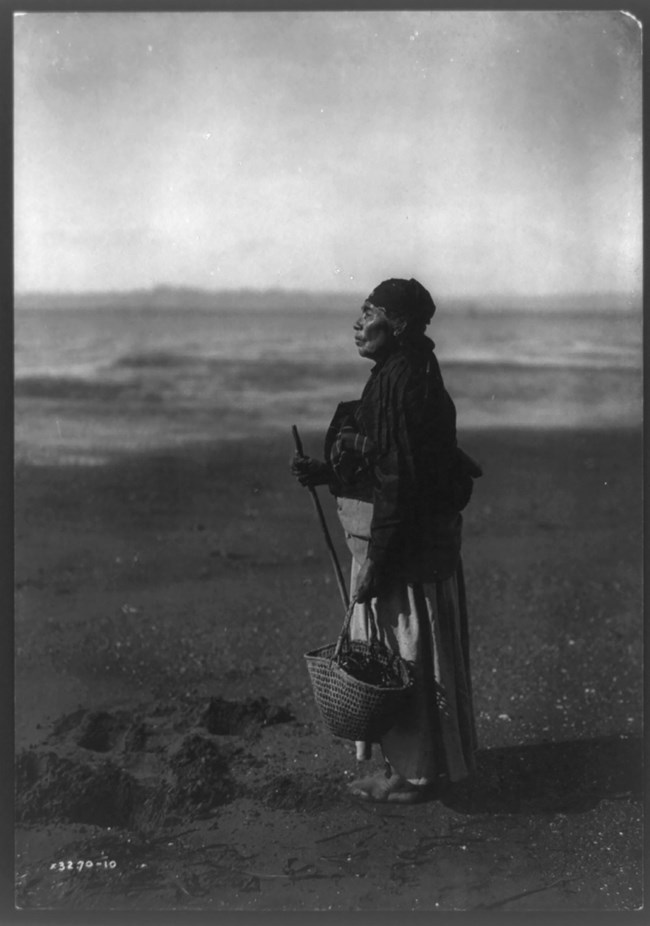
x=176 y=298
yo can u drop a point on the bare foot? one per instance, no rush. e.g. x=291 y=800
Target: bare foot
x=395 y=789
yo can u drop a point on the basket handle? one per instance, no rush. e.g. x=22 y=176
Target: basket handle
x=345 y=630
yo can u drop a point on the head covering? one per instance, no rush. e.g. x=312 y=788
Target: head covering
x=404 y=301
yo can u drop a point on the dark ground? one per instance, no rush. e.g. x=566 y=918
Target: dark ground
x=165 y=721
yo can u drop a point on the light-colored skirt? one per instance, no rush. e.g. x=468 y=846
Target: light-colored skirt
x=427 y=624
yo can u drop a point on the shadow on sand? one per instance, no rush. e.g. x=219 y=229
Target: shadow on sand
x=567 y=777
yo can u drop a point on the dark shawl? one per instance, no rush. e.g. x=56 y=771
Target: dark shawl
x=405 y=466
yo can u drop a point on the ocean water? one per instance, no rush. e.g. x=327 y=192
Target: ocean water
x=92 y=383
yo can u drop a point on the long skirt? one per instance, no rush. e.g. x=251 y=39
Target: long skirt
x=426 y=623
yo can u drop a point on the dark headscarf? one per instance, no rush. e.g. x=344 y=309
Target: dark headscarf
x=404 y=301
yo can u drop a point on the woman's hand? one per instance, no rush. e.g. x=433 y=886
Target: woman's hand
x=309 y=472
x=367 y=582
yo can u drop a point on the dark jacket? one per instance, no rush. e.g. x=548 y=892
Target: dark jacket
x=408 y=466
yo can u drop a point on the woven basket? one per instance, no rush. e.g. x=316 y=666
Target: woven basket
x=351 y=708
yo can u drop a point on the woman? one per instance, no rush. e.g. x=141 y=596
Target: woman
x=401 y=481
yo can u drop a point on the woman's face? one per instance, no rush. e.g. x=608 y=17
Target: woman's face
x=373 y=333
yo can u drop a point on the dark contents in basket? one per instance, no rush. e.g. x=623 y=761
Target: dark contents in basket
x=366 y=666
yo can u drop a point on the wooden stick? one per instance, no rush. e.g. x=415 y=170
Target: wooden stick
x=321 y=517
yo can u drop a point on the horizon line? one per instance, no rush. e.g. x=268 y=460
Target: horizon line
x=170 y=288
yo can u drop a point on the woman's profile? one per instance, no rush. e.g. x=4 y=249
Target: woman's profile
x=400 y=480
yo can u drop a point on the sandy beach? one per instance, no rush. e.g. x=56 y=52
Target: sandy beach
x=170 y=754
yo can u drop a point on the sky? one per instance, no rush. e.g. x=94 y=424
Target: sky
x=481 y=152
